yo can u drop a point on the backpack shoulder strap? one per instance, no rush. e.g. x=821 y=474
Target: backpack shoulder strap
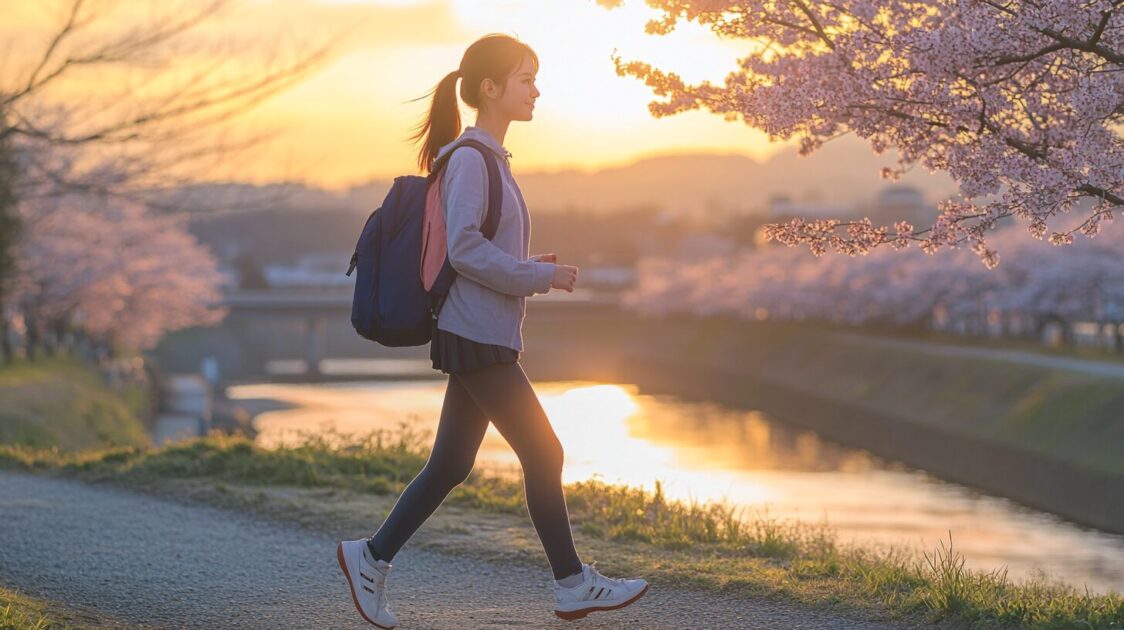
x=495 y=185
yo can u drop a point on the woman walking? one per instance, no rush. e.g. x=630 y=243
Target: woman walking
x=477 y=340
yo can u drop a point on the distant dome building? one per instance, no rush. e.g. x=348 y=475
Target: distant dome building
x=903 y=198
x=901 y=203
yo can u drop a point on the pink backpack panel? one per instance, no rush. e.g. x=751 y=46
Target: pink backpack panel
x=434 y=239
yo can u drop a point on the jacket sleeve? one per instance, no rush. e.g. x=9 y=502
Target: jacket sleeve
x=472 y=255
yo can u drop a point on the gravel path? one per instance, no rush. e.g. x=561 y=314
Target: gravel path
x=153 y=562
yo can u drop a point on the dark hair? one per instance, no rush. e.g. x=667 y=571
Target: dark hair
x=492 y=57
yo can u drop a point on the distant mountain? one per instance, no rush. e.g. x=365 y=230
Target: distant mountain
x=843 y=173
x=277 y=223
x=214 y=199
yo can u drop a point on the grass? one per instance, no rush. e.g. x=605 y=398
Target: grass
x=712 y=544
x=1022 y=344
x=18 y=612
x=21 y=612
x=61 y=402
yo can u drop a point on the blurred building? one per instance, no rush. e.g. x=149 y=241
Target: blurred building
x=893 y=204
x=901 y=203
x=315 y=270
x=782 y=206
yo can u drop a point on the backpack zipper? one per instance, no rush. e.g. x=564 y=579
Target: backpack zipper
x=354 y=262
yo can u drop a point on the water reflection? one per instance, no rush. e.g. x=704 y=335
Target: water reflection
x=705 y=451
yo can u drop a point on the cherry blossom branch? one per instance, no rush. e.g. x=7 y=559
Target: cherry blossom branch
x=1010 y=99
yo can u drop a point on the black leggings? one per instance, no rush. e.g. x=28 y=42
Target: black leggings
x=502 y=393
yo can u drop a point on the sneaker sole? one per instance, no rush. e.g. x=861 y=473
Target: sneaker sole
x=351 y=585
x=579 y=614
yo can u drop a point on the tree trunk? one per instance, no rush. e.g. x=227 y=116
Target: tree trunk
x=6 y=342
x=32 y=339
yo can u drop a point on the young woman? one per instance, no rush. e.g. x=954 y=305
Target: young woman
x=477 y=340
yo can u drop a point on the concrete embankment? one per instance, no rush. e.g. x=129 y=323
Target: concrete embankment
x=1049 y=438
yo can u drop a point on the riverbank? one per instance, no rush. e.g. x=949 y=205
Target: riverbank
x=1048 y=438
x=62 y=402
x=218 y=559
x=352 y=485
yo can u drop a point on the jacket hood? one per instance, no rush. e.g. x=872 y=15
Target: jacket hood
x=481 y=135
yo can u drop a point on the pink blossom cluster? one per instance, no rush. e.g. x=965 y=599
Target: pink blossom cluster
x=1020 y=102
x=112 y=270
x=1037 y=281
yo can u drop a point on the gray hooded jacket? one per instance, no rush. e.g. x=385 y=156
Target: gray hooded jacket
x=487 y=302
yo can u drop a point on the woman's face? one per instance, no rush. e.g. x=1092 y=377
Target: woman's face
x=518 y=99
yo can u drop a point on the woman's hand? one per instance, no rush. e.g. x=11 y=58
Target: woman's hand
x=545 y=258
x=564 y=277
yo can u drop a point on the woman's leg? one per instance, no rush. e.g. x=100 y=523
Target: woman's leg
x=459 y=433
x=504 y=394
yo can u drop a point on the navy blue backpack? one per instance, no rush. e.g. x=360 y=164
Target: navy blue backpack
x=390 y=305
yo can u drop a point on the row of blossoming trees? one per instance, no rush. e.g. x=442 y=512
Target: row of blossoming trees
x=1037 y=285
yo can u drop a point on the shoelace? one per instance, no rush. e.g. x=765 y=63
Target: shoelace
x=383 y=588
x=597 y=574
x=384 y=602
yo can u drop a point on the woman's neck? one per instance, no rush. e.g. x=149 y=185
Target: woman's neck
x=493 y=125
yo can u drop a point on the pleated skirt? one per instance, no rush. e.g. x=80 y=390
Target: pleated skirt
x=452 y=353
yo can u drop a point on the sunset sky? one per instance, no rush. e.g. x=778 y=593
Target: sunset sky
x=350 y=122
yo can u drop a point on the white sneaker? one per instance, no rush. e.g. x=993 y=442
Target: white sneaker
x=367 y=579
x=596 y=592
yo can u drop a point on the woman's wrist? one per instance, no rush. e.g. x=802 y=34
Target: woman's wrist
x=544 y=277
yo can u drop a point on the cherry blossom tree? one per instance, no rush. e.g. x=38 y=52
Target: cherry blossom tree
x=116 y=272
x=8 y=233
x=1019 y=101
x=118 y=102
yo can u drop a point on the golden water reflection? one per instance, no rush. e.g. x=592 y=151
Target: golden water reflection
x=708 y=452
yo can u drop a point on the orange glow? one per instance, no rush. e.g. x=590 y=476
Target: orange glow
x=350 y=122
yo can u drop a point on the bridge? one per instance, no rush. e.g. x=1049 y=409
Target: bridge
x=297 y=333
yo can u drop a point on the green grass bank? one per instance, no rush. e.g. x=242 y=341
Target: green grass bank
x=61 y=402
x=323 y=482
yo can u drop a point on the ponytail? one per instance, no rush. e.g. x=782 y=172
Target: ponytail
x=492 y=57
x=443 y=124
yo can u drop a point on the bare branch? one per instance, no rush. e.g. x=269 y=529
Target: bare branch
x=806 y=10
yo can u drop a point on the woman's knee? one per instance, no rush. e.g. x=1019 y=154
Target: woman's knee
x=448 y=475
x=550 y=458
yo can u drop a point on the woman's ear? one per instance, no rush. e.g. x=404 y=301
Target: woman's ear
x=488 y=88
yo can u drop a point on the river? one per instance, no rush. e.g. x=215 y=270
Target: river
x=710 y=452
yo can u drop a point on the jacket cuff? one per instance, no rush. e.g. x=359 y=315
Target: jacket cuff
x=544 y=274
